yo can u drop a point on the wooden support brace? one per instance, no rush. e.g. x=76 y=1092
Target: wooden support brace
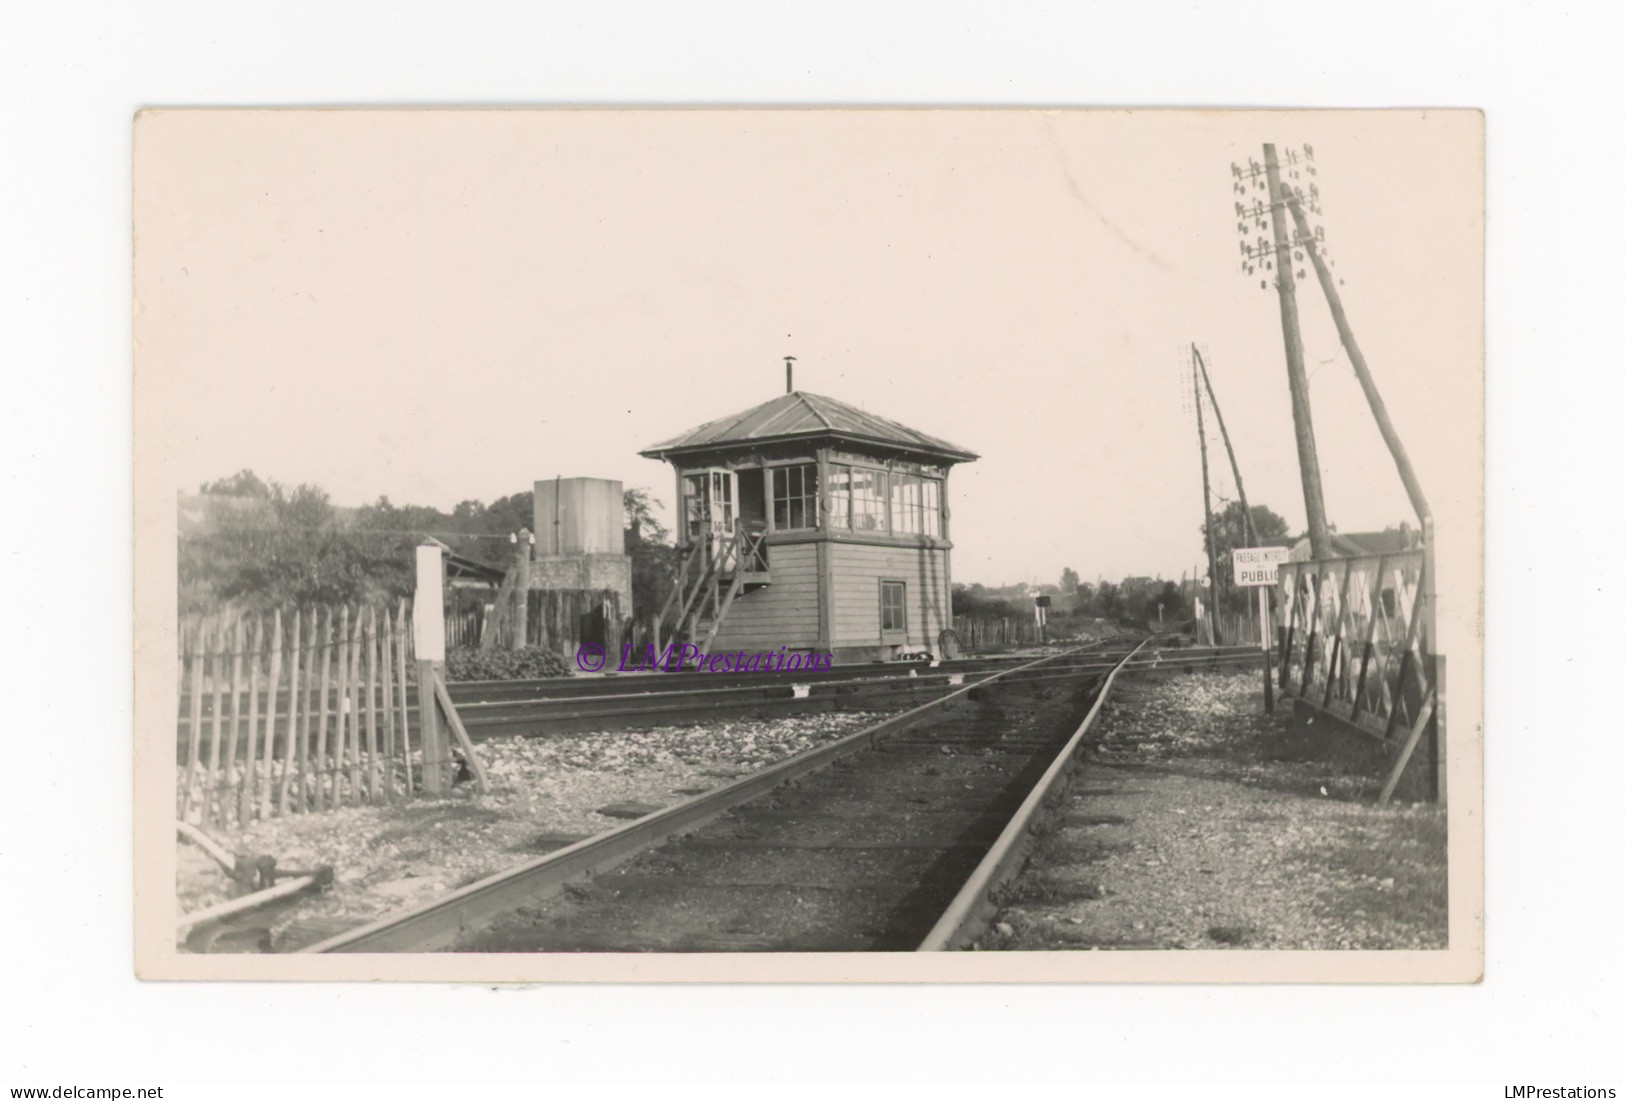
x=203 y=841
x=1372 y=609
x=1405 y=664
x=1341 y=613
x=1423 y=714
x=322 y=877
x=449 y=709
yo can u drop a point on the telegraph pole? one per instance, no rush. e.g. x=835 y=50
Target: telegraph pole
x=1207 y=512
x=1308 y=461
x=1247 y=531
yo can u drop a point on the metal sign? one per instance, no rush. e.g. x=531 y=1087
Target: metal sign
x=1256 y=565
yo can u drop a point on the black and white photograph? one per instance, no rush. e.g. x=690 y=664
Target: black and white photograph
x=809 y=544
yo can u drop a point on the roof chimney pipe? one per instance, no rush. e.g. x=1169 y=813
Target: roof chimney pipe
x=789 y=374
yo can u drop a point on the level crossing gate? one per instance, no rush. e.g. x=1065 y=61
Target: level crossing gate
x=1358 y=643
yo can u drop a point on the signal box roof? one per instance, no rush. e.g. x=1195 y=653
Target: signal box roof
x=799 y=415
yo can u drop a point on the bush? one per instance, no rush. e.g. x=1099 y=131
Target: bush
x=531 y=663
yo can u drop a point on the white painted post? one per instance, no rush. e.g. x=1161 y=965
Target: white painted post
x=429 y=641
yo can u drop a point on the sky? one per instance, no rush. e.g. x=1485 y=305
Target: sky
x=439 y=306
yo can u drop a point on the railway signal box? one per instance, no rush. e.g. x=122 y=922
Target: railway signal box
x=807 y=524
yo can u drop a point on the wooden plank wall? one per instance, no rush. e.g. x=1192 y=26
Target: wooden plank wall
x=858 y=570
x=562 y=619
x=784 y=613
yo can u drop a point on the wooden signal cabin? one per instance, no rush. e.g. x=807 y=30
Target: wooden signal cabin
x=809 y=525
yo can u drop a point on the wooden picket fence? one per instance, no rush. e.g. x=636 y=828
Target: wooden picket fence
x=296 y=713
x=466 y=626
x=977 y=633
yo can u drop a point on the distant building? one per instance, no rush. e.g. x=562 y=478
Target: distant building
x=811 y=525
x=1361 y=543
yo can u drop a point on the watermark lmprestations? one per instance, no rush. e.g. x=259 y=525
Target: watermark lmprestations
x=687 y=657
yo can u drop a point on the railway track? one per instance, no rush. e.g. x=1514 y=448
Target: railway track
x=890 y=839
x=536 y=708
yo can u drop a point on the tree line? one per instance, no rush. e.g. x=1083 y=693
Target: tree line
x=259 y=544
x=1138 y=600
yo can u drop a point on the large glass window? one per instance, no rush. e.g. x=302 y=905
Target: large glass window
x=795 y=497
x=868 y=499
x=893 y=606
x=857 y=498
x=839 y=494
x=916 y=505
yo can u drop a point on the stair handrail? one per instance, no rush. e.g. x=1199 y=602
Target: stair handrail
x=679 y=584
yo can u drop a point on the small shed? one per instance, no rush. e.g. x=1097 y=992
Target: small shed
x=809 y=525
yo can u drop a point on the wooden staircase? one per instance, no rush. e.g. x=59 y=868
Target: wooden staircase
x=710 y=579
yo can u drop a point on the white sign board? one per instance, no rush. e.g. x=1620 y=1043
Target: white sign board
x=428 y=612
x=1256 y=565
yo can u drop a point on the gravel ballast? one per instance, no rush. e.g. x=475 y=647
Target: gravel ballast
x=1198 y=822
x=545 y=793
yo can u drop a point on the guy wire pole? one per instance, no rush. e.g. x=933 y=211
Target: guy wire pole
x=1378 y=410
x=1207 y=512
x=1308 y=461
x=1249 y=533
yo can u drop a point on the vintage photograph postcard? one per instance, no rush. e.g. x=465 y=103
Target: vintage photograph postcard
x=814 y=545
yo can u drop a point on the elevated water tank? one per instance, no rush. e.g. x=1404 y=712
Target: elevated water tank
x=579 y=516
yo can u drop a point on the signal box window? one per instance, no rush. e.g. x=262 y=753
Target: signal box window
x=916 y=505
x=795 y=497
x=893 y=607
x=857 y=498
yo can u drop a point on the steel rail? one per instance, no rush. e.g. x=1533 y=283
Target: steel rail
x=490 y=719
x=697 y=699
x=959 y=922
x=644 y=685
x=699 y=702
x=439 y=922
x=638 y=685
